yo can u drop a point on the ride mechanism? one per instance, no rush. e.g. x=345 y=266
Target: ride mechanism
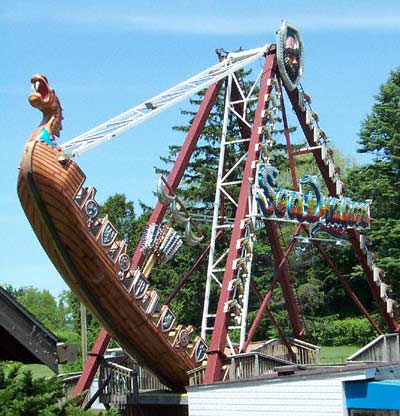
x=248 y=187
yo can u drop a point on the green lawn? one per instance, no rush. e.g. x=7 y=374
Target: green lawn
x=38 y=370
x=337 y=355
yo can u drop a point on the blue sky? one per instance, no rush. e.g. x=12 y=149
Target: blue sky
x=105 y=57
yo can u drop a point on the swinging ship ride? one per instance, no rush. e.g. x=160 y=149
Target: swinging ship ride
x=86 y=251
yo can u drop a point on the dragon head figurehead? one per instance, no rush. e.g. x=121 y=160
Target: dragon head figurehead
x=45 y=99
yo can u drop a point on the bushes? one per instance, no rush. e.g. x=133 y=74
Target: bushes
x=332 y=331
x=23 y=395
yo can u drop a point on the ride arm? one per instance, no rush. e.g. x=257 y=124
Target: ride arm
x=151 y=107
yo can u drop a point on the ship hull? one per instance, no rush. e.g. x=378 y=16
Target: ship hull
x=47 y=189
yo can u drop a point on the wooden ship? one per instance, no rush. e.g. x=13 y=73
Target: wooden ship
x=94 y=263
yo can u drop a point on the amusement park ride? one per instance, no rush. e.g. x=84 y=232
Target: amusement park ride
x=86 y=250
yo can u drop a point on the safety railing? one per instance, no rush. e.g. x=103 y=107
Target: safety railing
x=241 y=366
x=119 y=385
x=305 y=352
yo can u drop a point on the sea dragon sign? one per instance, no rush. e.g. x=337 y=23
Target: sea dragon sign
x=329 y=214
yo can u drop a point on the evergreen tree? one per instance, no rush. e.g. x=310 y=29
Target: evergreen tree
x=380 y=180
x=23 y=395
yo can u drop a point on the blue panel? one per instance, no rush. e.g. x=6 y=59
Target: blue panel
x=373 y=394
x=45 y=136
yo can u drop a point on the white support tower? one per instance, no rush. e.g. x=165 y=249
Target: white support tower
x=229 y=180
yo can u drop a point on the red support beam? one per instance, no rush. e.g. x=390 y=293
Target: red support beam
x=218 y=340
x=183 y=158
x=287 y=288
x=93 y=362
x=274 y=281
x=348 y=289
x=309 y=135
x=354 y=235
x=271 y=228
x=285 y=280
x=287 y=138
x=274 y=323
x=190 y=271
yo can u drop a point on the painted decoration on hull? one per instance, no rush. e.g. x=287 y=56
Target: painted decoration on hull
x=290 y=55
x=140 y=285
x=199 y=350
x=166 y=319
x=329 y=214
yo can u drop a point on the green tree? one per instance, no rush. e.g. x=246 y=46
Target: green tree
x=380 y=180
x=23 y=395
x=43 y=305
x=121 y=213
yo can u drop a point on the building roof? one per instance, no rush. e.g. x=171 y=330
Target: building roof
x=23 y=337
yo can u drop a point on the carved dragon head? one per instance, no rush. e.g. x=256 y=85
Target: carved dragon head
x=45 y=99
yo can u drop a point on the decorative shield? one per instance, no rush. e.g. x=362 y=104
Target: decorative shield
x=199 y=350
x=113 y=251
x=290 y=55
x=91 y=208
x=167 y=319
x=108 y=234
x=150 y=302
x=124 y=262
x=140 y=286
x=184 y=338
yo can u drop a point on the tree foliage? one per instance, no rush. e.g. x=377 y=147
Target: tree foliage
x=23 y=395
x=380 y=180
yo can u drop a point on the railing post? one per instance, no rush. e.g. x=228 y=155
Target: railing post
x=232 y=370
x=256 y=365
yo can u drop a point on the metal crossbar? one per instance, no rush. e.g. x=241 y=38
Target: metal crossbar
x=151 y=107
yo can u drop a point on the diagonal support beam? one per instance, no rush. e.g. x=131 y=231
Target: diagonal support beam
x=285 y=280
x=186 y=277
x=274 y=281
x=274 y=323
x=354 y=235
x=348 y=289
x=93 y=362
x=271 y=227
x=182 y=160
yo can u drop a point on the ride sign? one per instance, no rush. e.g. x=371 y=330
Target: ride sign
x=330 y=214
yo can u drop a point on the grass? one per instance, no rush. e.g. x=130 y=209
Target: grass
x=38 y=370
x=337 y=355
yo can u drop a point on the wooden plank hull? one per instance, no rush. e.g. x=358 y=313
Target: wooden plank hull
x=47 y=189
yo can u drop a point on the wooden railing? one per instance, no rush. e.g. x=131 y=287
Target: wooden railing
x=241 y=366
x=305 y=353
x=69 y=382
x=384 y=348
x=119 y=385
x=253 y=364
x=146 y=380
x=196 y=376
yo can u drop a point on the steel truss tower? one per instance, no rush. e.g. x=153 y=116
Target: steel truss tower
x=233 y=263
